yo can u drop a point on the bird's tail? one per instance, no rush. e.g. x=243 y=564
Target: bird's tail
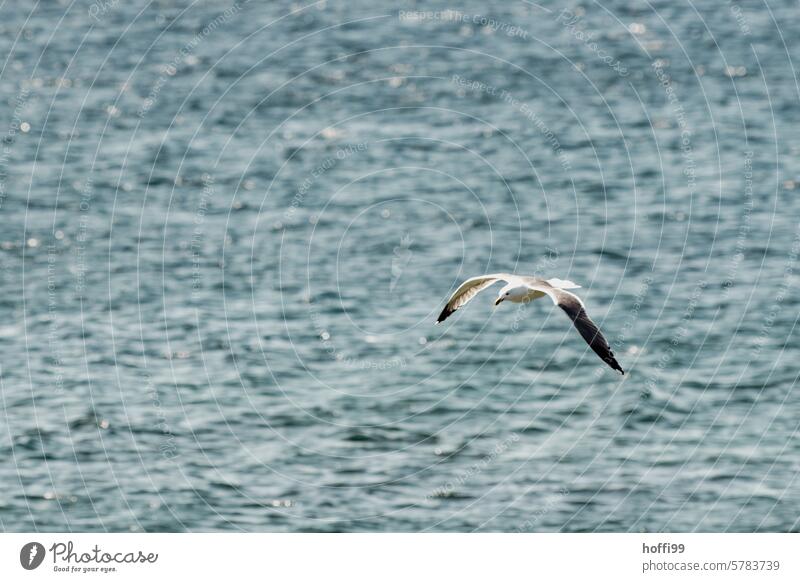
x=563 y=284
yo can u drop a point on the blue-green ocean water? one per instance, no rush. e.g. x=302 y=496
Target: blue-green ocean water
x=227 y=230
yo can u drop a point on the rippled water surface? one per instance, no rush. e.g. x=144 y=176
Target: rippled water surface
x=227 y=231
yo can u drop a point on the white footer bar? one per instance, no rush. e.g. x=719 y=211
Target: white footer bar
x=400 y=557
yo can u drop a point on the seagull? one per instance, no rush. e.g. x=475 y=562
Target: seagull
x=521 y=289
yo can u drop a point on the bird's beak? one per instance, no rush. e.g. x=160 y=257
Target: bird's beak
x=498 y=301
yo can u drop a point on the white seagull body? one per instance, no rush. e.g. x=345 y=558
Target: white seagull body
x=519 y=289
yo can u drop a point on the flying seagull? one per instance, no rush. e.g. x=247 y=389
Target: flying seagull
x=520 y=289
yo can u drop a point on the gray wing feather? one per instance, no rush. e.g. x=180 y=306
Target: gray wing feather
x=574 y=308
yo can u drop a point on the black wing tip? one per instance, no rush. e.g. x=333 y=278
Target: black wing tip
x=444 y=315
x=614 y=364
x=616 y=367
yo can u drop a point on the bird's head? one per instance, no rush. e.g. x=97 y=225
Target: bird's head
x=502 y=296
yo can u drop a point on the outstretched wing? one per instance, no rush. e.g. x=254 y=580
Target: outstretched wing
x=574 y=308
x=469 y=289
